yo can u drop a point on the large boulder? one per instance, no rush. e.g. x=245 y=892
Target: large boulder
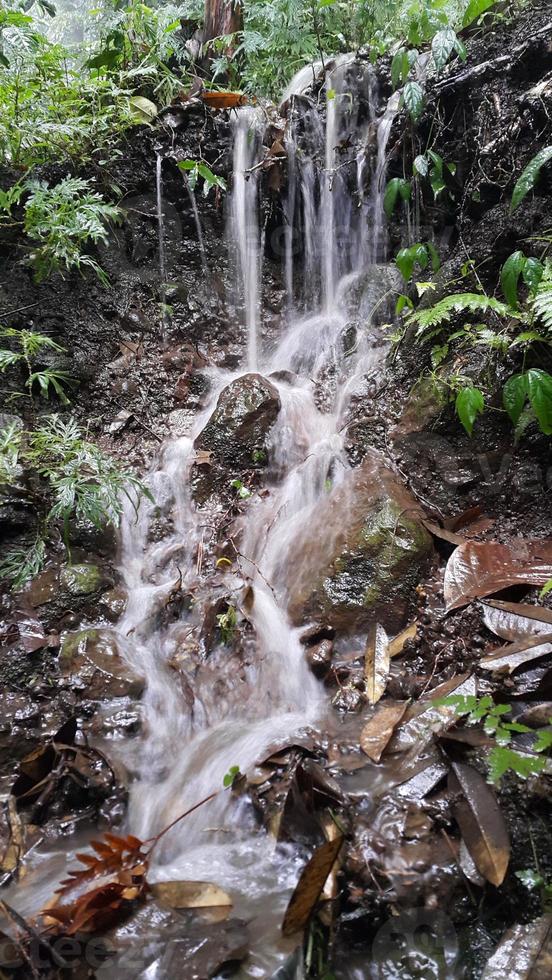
x=362 y=555
x=236 y=434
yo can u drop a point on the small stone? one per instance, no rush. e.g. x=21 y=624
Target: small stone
x=90 y=661
x=319 y=658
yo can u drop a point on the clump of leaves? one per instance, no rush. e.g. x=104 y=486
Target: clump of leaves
x=30 y=344
x=227 y=623
x=63 y=220
x=502 y=758
x=196 y=169
x=72 y=478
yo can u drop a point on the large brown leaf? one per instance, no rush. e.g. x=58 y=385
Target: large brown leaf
x=481 y=823
x=510 y=620
x=507 y=659
x=524 y=953
x=480 y=568
x=309 y=887
x=377 y=732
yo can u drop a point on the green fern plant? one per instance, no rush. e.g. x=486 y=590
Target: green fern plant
x=442 y=312
x=541 y=302
x=71 y=479
x=63 y=220
x=30 y=344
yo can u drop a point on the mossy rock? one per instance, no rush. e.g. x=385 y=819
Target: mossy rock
x=369 y=567
x=91 y=662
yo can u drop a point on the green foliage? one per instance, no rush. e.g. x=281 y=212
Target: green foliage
x=534 y=386
x=74 y=479
x=413 y=99
x=541 y=300
x=30 y=344
x=397 y=188
x=475 y=9
x=516 y=266
x=64 y=219
x=502 y=759
x=433 y=166
x=469 y=404
x=530 y=176
x=241 y=490
x=194 y=169
x=442 y=312
x=227 y=623
x=231 y=776
x=420 y=254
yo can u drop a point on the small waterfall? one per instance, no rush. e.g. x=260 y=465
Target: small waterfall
x=245 y=233
x=204 y=714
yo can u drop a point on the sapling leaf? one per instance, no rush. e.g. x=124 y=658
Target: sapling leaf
x=469 y=404
x=514 y=394
x=530 y=176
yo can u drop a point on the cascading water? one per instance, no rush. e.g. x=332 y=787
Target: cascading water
x=244 y=226
x=229 y=715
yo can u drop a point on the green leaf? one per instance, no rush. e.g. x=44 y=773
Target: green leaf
x=543 y=741
x=421 y=165
x=530 y=176
x=442 y=46
x=532 y=273
x=460 y=49
x=509 y=276
x=530 y=878
x=501 y=760
x=539 y=388
x=546 y=589
x=407 y=258
x=397 y=187
x=475 y=9
x=469 y=404
x=142 y=109
x=514 y=394
x=413 y=98
x=400 y=67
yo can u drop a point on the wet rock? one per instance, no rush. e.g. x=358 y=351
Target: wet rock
x=319 y=658
x=81 y=579
x=90 y=661
x=348 y=699
x=316 y=633
x=363 y=556
x=424 y=403
x=113 y=604
x=236 y=434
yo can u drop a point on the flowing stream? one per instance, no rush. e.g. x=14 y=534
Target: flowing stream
x=235 y=715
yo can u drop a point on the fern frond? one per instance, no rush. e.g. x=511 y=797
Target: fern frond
x=542 y=300
x=442 y=311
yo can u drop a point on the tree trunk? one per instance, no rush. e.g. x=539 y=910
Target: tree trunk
x=221 y=17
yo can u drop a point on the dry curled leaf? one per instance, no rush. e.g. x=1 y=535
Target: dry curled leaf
x=481 y=823
x=377 y=732
x=376 y=663
x=507 y=659
x=479 y=568
x=309 y=887
x=396 y=645
x=190 y=895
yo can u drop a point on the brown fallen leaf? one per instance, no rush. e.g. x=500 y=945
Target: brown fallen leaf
x=481 y=823
x=509 y=658
x=224 y=100
x=443 y=534
x=309 y=887
x=523 y=953
x=510 y=620
x=376 y=663
x=397 y=643
x=479 y=568
x=190 y=895
x=377 y=732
